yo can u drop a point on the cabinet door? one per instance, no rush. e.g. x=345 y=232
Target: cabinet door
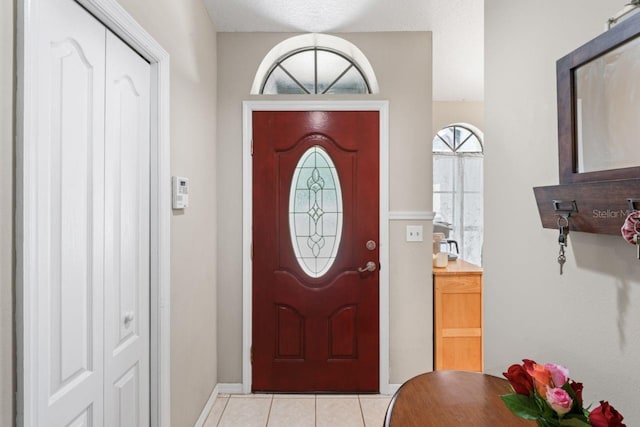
x=458 y=310
x=67 y=223
x=126 y=354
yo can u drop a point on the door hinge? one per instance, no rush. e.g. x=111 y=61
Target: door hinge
x=252 y=355
x=252 y=147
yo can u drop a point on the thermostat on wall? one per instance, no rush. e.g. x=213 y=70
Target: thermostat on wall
x=180 y=192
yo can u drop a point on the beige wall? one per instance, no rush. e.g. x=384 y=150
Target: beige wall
x=7 y=75
x=402 y=62
x=588 y=318
x=184 y=29
x=449 y=112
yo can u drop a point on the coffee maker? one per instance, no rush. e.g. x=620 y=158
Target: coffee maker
x=447 y=245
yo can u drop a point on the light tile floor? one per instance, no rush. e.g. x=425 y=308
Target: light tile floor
x=298 y=410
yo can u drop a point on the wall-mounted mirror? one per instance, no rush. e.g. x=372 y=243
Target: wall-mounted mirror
x=599 y=107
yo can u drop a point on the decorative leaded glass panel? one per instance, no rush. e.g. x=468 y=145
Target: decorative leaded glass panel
x=315 y=212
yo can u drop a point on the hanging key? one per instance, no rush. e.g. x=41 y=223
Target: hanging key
x=563 y=228
x=561 y=258
x=562 y=238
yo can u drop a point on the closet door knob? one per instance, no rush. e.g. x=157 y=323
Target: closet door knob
x=128 y=318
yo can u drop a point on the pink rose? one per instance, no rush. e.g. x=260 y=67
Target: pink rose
x=559 y=400
x=559 y=374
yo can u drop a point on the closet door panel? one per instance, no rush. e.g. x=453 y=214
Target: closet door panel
x=69 y=215
x=126 y=236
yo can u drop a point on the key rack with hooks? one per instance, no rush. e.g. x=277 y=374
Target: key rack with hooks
x=603 y=206
x=599 y=167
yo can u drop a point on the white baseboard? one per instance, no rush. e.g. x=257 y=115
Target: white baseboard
x=220 y=388
x=390 y=390
x=207 y=407
x=236 y=388
x=230 y=388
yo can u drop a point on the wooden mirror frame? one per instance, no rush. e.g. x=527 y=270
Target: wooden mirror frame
x=599 y=200
x=618 y=35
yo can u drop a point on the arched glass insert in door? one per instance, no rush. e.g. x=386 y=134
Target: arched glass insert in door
x=315 y=212
x=458 y=187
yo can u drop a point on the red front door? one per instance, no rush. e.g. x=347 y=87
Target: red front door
x=315 y=223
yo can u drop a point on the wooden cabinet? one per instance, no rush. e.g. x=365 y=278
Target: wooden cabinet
x=458 y=317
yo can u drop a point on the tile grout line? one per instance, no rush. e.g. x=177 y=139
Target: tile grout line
x=223 y=409
x=269 y=414
x=316 y=422
x=361 y=411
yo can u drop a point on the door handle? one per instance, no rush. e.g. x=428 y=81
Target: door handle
x=370 y=267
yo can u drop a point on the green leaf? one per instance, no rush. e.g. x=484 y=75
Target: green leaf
x=546 y=411
x=522 y=406
x=544 y=422
x=573 y=422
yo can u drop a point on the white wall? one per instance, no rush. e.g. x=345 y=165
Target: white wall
x=402 y=63
x=7 y=75
x=449 y=112
x=588 y=318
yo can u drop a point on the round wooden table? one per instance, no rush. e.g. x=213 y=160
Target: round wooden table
x=452 y=399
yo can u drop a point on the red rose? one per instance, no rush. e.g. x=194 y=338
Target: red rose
x=606 y=415
x=577 y=391
x=519 y=379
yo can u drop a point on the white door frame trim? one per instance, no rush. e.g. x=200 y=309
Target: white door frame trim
x=248 y=107
x=116 y=19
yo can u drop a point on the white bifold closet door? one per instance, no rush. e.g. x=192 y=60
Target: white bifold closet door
x=91 y=224
x=126 y=322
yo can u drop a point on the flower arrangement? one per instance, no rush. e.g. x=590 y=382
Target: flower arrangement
x=546 y=394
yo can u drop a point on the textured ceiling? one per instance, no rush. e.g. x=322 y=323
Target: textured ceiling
x=457 y=26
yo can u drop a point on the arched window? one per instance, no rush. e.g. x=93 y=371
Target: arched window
x=314 y=64
x=458 y=188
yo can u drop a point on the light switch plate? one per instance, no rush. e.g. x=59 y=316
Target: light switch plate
x=414 y=233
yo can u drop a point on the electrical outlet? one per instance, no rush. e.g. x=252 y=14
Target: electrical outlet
x=414 y=233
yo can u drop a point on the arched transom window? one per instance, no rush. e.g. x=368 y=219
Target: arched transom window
x=314 y=64
x=457 y=139
x=314 y=71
